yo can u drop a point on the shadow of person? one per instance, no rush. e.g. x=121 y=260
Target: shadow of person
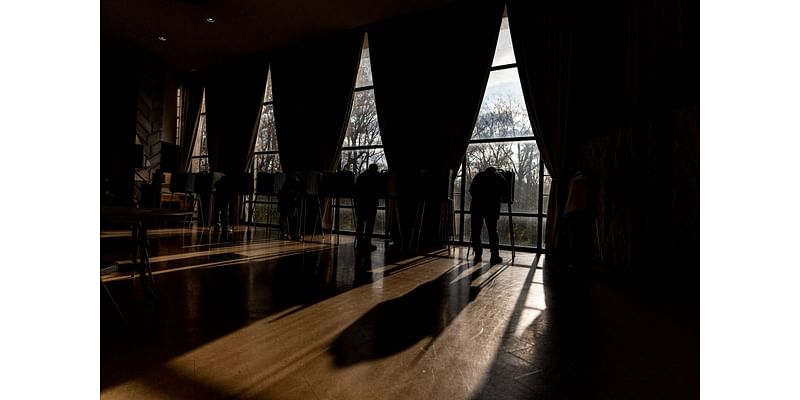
x=397 y=324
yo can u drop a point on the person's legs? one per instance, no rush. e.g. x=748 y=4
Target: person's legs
x=225 y=210
x=361 y=224
x=282 y=221
x=494 y=238
x=476 y=225
x=294 y=232
x=370 y=225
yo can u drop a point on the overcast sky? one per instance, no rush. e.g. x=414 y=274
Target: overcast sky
x=503 y=81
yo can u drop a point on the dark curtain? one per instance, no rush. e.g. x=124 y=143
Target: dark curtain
x=430 y=72
x=119 y=85
x=543 y=36
x=663 y=58
x=191 y=100
x=591 y=68
x=313 y=91
x=234 y=95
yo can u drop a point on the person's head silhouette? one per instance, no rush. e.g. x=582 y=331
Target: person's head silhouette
x=491 y=170
x=373 y=167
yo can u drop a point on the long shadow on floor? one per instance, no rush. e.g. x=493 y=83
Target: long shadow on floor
x=596 y=342
x=197 y=306
x=395 y=325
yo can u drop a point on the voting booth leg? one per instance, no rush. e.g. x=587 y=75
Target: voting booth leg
x=269 y=215
x=511 y=232
x=446 y=224
x=391 y=220
x=318 y=218
x=197 y=206
x=419 y=219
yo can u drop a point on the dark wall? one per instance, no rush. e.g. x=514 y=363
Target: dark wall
x=137 y=95
x=118 y=89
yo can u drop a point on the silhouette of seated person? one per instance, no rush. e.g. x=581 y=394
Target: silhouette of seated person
x=488 y=188
x=288 y=203
x=366 y=205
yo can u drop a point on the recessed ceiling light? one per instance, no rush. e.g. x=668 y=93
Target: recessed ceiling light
x=210 y=20
x=162 y=38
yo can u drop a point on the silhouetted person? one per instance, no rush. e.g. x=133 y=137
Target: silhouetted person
x=488 y=188
x=224 y=197
x=366 y=205
x=288 y=203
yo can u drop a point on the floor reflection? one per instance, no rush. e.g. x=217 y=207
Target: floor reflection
x=206 y=290
x=245 y=316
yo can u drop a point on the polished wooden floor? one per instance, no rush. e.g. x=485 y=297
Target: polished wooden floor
x=242 y=315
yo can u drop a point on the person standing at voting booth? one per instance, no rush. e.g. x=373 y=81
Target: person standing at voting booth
x=366 y=205
x=224 y=197
x=488 y=188
x=288 y=203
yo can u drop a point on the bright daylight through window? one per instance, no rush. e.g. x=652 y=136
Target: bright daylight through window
x=503 y=138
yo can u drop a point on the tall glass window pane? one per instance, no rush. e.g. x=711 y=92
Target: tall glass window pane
x=362 y=128
x=266 y=139
x=265 y=212
x=546 y=192
x=503 y=113
x=199 y=164
x=358 y=160
x=199 y=161
x=520 y=157
x=525 y=230
x=362 y=144
x=457 y=190
x=267 y=162
x=268 y=91
x=503 y=138
x=504 y=53
x=364 y=77
x=202 y=137
x=266 y=158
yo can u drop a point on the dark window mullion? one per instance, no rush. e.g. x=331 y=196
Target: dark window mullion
x=503 y=140
x=502 y=67
x=368 y=147
x=463 y=197
x=541 y=205
x=513 y=214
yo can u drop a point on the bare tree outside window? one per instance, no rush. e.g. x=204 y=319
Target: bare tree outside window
x=362 y=135
x=362 y=143
x=503 y=138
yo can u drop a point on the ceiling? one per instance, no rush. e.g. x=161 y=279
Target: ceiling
x=241 y=26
